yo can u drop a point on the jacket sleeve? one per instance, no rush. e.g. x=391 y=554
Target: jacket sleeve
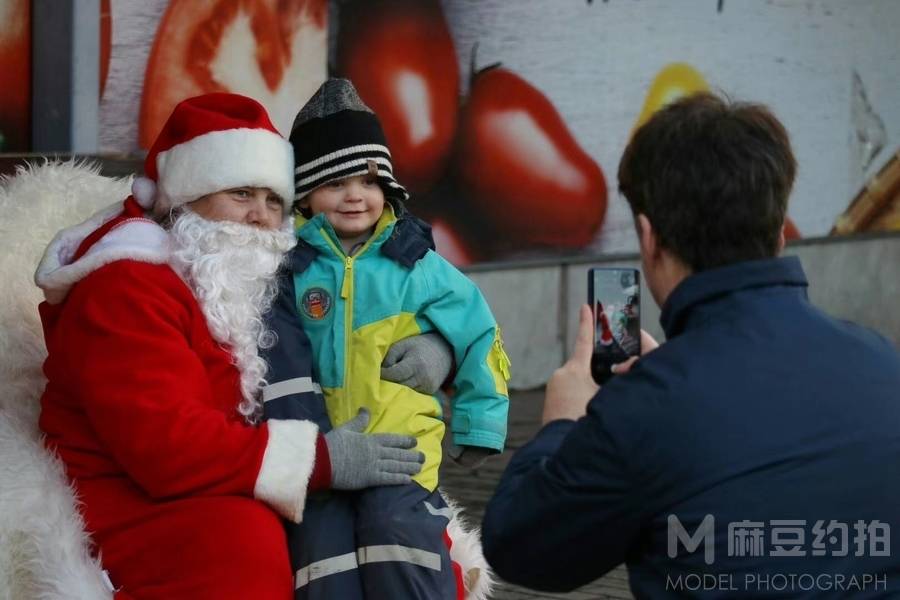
x=148 y=397
x=457 y=309
x=565 y=511
x=291 y=390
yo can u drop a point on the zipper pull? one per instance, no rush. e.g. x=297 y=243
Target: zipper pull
x=348 y=277
x=503 y=362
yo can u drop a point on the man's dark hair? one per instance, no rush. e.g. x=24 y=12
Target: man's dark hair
x=713 y=177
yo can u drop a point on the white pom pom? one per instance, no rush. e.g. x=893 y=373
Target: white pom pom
x=144 y=191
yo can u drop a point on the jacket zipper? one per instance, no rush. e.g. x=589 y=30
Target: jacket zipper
x=347 y=295
x=348 y=277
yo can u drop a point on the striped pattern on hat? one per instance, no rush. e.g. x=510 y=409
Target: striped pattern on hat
x=347 y=162
x=336 y=135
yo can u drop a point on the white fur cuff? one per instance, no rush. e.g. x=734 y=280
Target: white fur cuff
x=287 y=466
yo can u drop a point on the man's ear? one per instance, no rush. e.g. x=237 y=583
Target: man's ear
x=647 y=237
x=781 y=241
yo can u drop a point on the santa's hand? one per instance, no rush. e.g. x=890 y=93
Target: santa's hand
x=360 y=460
x=421 y=362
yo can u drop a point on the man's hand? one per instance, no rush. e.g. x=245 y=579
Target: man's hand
x=571 y=386
x=421 y=362
x=360 y=460
x=648 y=344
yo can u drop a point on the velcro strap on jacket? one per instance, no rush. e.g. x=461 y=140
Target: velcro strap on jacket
x=410 y=241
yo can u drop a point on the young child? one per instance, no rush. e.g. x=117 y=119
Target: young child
x=365 y=276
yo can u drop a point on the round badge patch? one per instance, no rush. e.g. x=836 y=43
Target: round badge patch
x=315 y=303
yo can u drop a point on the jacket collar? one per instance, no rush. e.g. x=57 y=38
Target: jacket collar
x=318 y=232
x=713 y=284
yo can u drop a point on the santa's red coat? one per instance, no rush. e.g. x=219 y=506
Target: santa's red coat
x=179 y=494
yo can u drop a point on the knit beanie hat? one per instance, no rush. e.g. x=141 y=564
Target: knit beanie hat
x=212 y=143
x=335 y=135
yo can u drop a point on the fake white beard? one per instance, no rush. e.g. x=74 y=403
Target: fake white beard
x=231 y=269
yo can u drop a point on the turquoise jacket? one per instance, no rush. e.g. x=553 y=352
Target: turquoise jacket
x=354 y=307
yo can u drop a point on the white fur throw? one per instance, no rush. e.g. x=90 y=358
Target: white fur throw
x=43 y=547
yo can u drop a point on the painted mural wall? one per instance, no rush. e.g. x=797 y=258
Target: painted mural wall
x=15 y=75
x=830 y=70
x=163 y=52
x=507 y=119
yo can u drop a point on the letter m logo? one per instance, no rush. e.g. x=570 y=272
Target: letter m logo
x=705 y=533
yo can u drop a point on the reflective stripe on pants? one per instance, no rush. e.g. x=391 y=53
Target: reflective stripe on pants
x=402 y=550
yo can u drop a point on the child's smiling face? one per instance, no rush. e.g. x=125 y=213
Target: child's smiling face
x=352 y=205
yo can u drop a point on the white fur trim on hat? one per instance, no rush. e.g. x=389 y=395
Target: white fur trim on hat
x=222 y=160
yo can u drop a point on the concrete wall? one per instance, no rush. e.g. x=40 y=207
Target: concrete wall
x=537 y=306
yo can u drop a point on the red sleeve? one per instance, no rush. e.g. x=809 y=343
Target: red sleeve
x=321 y=475
x=126 y=329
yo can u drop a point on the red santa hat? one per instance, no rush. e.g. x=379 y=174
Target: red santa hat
x=212 y=143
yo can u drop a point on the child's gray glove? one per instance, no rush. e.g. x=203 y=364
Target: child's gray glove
x=360 y=460
x=421 y=362
x=469 y=457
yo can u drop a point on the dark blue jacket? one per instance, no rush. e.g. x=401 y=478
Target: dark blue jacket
x=758 y=408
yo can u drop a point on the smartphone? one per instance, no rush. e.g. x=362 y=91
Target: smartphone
x=614 y=296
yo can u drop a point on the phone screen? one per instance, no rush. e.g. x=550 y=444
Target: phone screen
x=615 y=298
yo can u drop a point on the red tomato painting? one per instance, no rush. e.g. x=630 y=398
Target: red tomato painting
x=400 y=56
x=15 y=75
x=272 y=50
x=521 y=167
